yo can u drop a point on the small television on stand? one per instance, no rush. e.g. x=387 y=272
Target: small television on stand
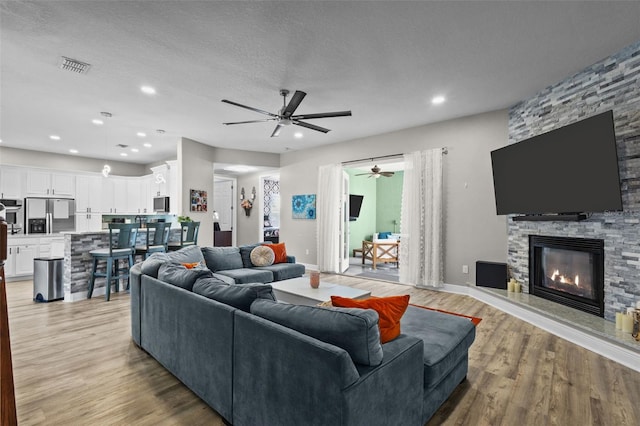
x=562 y=175
x=355 y=204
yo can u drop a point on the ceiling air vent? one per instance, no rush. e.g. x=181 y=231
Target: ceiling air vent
x=121 y=145
x=74 y=65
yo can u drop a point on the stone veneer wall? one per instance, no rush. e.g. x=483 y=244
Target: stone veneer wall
x=611 y=84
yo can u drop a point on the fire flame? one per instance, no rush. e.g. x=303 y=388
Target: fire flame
x=557 y=277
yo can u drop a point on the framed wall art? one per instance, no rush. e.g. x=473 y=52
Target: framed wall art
x=198 y=201
x=304 y=206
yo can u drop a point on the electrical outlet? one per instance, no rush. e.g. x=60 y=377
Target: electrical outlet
x=306 y=251
x=465 y=269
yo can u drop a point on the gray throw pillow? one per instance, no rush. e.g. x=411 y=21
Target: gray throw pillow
x=222 y=258
x=191 y=254
x=178 y=275
x=239 y=296
x=354 y=330
x=245 y=253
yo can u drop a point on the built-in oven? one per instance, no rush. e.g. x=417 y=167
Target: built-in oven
x=13 y=214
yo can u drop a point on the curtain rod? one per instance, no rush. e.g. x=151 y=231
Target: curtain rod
x=445 y=151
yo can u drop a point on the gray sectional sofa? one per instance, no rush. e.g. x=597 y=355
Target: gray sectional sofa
x=260 y=362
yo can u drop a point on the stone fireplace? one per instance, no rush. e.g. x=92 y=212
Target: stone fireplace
x=569 y=271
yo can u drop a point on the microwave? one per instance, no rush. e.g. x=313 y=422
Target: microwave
x=161 y=204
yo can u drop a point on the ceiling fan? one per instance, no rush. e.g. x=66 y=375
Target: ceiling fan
x=285 y=116
x=376 y=172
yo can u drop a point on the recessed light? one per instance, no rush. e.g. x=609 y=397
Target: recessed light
x=437 y=100
x=73 y=151
x=148 y=90
x=141 y=134
x=97 y=122
x=123 y=154
x=147 y=145
x=54 y=137
x=134 y=150
x=298 y=135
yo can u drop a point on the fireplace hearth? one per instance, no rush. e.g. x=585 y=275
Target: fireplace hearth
x=569 y=271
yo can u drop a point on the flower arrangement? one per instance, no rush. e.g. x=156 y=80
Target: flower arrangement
x=246 y=205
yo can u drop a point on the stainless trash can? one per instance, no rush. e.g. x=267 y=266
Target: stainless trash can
x=48 y=278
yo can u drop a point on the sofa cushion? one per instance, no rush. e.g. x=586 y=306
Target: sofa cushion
x=354 y=330
x=390 y=310
x=238 y=296
x=446 y=337
x=222 y=258
x=245 y=254
x=262 y=256
x=280 y=251
x=180 y=276
x=284 y=271
x=191 y=254
x=248 y=275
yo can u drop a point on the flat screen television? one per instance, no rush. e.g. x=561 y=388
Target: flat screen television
x=355 y=204
x=573 y=169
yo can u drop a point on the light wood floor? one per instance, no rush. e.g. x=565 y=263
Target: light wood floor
x=75 y=363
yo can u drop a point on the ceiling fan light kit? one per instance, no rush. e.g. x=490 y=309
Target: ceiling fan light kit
x=285 y=116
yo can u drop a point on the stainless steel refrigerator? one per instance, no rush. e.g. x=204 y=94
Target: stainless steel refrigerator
x=49 y=215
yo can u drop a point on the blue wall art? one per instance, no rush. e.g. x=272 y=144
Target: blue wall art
x=304 y=206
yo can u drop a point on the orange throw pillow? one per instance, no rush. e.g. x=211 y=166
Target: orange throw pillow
x=390 y=310
x=280 y=252
x=190 y=265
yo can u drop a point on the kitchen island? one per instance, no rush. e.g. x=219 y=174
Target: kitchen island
x=78 y=262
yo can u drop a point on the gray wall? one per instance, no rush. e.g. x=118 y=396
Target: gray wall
x=70 y=163
x=472 y=232
x=611 y=84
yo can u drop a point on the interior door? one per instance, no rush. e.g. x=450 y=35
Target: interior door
x=344 y=223
x=223 y=196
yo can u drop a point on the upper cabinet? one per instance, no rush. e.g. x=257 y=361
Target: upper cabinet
x=47 y=184
x=11 y=182
x=88 y=194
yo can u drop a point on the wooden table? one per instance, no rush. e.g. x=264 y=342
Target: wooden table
x=299 y=292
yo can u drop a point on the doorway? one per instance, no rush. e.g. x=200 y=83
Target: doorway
x=270 y=195
x=224 y=193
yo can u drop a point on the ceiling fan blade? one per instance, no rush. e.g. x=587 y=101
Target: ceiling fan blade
x=362 y=174
x=293 y=103
x=387 y=174
x=311 y=126
x=322 y=115
x=251 y=121
x=250 y=108
x=276 y=131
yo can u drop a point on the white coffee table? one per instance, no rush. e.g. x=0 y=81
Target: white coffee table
x=299 y=292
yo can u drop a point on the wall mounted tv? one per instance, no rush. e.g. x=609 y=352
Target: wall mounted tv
x=355 y=203
x=568 y=171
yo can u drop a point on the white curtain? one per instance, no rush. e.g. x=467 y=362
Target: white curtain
x=421 y=219
x=328 y=217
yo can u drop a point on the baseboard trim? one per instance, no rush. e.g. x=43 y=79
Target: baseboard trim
x=599 y=345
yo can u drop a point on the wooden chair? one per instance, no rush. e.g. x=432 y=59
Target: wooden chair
x=157 y=239
x=188 y=235
x=379 y=252
x=121 y=247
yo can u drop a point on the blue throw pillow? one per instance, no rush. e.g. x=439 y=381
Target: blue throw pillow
x=191 y=254
x=354 y=330
x=245 y=253
x=239 y=296
x=384 y=235
x=222 y=258
x=178 y=275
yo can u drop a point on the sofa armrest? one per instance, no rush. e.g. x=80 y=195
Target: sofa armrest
x=291 y=259
x=390 y=393
x=134 y=288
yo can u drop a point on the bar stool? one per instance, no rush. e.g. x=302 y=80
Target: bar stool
x=156 y=243
x=188 y=235
x=122 y=241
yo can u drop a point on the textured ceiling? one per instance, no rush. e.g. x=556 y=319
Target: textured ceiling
x=383 y=60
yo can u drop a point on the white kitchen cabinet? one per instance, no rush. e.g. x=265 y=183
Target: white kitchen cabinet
x=11 y=182
x=51 y=247
x=146 y=199
x=42 y=183
x=88 y=194
x=160 y=180
x=134 y=203
x=20 y=255
x=88 y=222
x=114 y=195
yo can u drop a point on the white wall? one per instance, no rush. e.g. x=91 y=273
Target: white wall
x=472 y=232
x=24 y=157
